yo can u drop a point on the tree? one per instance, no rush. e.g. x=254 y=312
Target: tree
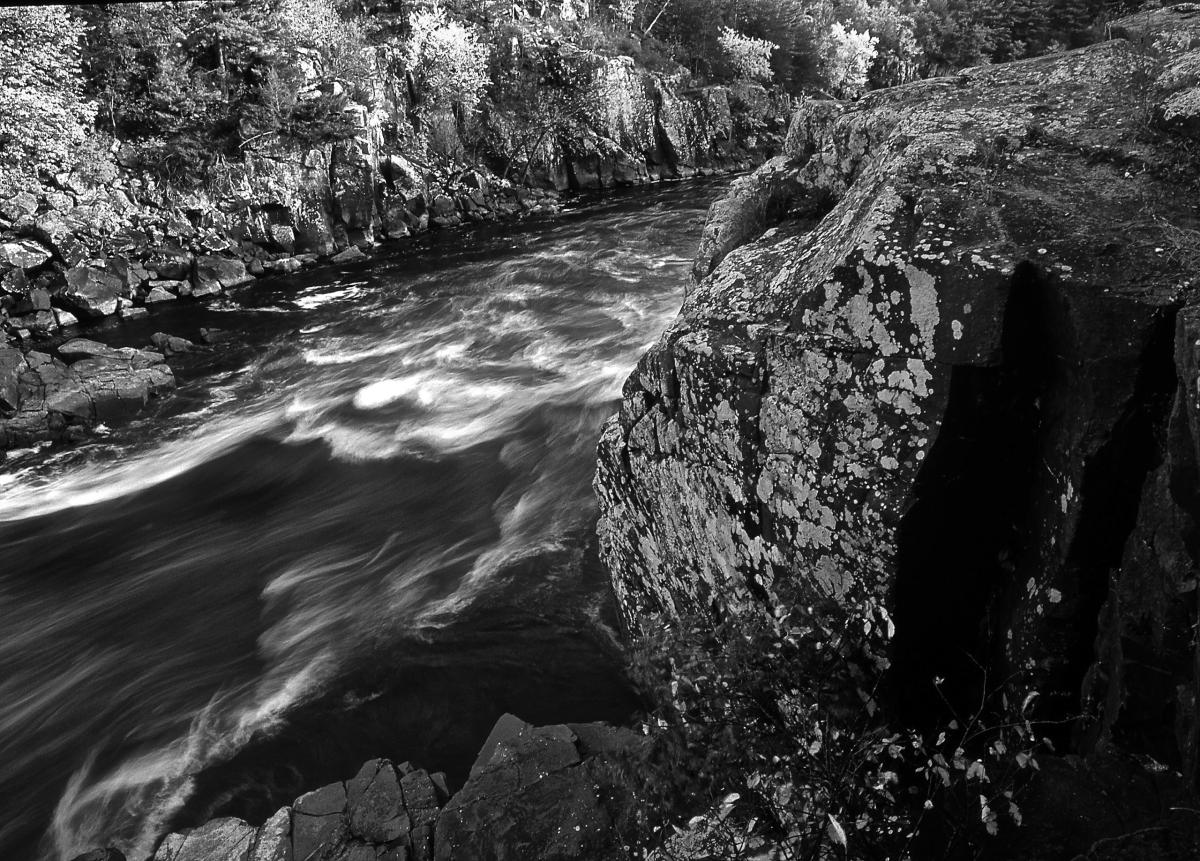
x=848 y=60
x=44 y=117
x=750 y=57
x=447 y=61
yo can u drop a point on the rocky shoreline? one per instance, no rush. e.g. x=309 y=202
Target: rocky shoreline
x=89 y=248
x=48 y=395
x=565 y=791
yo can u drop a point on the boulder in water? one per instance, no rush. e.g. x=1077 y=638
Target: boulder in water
x=214 y=274
x=226 y=839
x=109 y=854
x=171 y=345
x=93 y=292
x=349 y=255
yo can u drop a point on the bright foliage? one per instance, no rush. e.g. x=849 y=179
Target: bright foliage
x=44 y=118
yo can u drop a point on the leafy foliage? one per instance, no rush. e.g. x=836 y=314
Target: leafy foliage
x=750 y=57
x=850 y=57
x=182 y=86
x=446 y=60
x=774 y=729
x=44 y=117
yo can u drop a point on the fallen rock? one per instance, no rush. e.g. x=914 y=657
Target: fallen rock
x=214 y=336
x=92 y=292
x=376 y=805
x=159 y=294
x=225 y=272
x=169 y=262
x=57 y=233
x=20 y=205
x=171 y=345
x=348 y=255
x=24 y=253
x=274 y=839
x=285 y=266
x=226 y=839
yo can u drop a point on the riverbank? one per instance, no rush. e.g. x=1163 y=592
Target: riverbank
x=115 y=232
x=165 y=254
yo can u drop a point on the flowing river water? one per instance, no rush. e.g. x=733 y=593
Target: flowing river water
x=364 y=526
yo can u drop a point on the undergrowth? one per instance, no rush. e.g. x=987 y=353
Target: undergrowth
x=772 y=737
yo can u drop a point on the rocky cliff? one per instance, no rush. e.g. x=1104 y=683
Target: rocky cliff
x=122 y=241
x=943 y=354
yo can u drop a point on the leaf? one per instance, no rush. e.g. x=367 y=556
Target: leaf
x=836 y=833
x=1015 y=813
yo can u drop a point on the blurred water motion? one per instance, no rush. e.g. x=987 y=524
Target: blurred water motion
x=364 y=530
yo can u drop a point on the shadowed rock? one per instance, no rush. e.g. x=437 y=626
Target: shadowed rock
x=537 y=794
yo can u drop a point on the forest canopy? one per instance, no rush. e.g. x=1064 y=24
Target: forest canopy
x=186 y=83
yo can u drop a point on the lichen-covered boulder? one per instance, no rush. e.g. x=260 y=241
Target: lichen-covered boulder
x=943 y=389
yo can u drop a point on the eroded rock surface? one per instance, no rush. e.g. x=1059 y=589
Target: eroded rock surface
x=554 y=793
x=547 y=793
x=45 y=398
x=966 y=391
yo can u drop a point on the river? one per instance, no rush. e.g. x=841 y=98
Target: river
x=363 y=526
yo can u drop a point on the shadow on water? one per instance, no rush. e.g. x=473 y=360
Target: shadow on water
x=363 y=527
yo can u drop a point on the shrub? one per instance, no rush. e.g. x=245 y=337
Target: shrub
x=773 y=728
x=341 y=44
x=750 y=57
x=848 y=59
x=44 y=117
x=446 y=60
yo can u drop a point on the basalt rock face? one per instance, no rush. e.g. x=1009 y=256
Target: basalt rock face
x=943 y=353
x=553 y=793
x=45 y=397
x=93 y=246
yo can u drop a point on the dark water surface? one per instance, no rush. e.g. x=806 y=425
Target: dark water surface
x=361 y=528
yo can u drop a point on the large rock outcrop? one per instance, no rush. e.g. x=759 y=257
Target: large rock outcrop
x=45 y=398
x=555 y=793
x=944 y=355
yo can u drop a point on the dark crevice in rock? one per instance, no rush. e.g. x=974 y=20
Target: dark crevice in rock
x=959 y=539
x=1111 y=495
x=974 y=538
